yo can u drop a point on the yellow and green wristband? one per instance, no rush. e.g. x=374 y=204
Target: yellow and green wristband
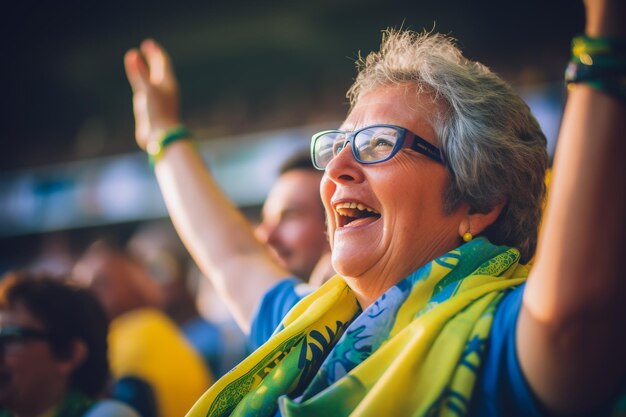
x=156 y=149
x=600 y=63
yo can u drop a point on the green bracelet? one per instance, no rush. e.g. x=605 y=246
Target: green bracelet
x=156 y=149
x=605 y=52
x=599 y=63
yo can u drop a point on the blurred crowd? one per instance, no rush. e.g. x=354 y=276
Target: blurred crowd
x=129 y=326
x=158 y=350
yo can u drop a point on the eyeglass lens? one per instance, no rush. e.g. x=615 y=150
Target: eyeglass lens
x=375 y=144
x=372 y=144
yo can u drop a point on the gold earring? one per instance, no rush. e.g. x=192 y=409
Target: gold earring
x=467 y=236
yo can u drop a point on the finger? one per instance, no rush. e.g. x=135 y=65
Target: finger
x=161 y=71
x=136 y=70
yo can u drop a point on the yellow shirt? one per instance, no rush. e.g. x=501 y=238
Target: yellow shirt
x=147 y=344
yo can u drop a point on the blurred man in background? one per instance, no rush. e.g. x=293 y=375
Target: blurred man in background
x=144 y=343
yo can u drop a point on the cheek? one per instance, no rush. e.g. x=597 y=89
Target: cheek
x=413 y=204
x=327 y=188
x=33 y=363
x=303 y=232
x=290 y=235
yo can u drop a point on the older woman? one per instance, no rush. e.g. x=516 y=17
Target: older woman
x=433 y=190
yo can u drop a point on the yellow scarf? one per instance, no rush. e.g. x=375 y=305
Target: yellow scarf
x=415 y=351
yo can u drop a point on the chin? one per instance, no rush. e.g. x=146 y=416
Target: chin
x=348 y=265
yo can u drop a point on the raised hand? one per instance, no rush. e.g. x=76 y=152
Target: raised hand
x=156 y=101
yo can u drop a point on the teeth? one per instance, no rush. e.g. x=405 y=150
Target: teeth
x=353 y=205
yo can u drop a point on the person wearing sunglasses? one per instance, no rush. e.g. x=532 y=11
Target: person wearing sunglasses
x=53 y=350
x=433 y=189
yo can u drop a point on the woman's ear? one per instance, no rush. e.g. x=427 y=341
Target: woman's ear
x=476 y=222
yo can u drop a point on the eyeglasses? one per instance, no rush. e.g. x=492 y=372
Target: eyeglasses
x=370 y=145
x=14 y=334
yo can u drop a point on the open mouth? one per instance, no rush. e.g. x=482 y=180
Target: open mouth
x=355 y=214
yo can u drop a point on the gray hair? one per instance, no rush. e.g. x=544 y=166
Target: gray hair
x=494 y=149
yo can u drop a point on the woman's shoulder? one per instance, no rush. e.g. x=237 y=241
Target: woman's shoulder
x=111 y=408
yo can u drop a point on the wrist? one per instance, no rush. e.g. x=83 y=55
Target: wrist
x=157 y=131
x=599 y=62
x=162 y=139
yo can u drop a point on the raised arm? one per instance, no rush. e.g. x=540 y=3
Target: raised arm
x=215 y=232
x=571 y=337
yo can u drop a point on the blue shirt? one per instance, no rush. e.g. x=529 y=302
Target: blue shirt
x=275 y=305
x=501 y=389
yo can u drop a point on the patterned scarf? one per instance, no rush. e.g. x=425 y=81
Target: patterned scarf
x=415 y=351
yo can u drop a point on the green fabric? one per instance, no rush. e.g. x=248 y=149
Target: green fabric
x=74 y=404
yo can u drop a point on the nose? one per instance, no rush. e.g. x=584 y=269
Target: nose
x=343 y=167
x=347 y=142
x=262 y=232
x=269 y=233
